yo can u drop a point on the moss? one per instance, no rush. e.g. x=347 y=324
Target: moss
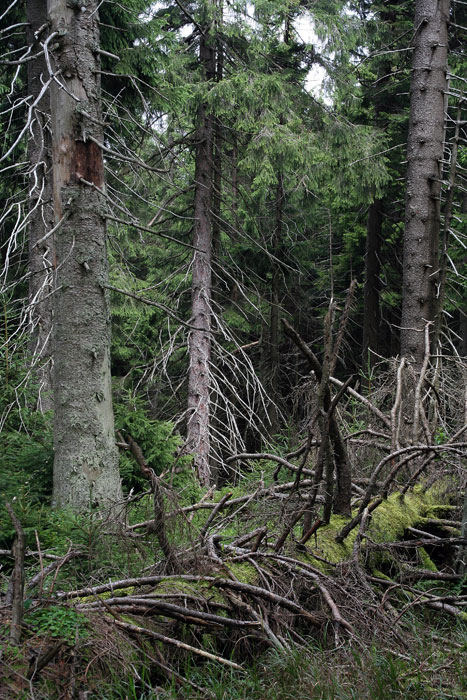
x=379 y=574
x=425 y=560
x=437 y=510
x=245 y=573
x=388 y=524
x=395 y=515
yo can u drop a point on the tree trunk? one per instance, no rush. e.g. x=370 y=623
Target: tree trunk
x=424 y=153
x=448 y=215
x=274 y=329
x=199 y=342
x=371 y=308
x=86 y=458
x=41 y=214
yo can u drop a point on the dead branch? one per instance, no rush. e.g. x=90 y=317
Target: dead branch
x=396 y=409
x=244 y=539
x=169 y=610
x=17 y=578
x=269 y=492
x=266 y=455
x=58 y=563
x=341 y=459
x=213 y=514
x=418 y=407
x=366 y=402
x=369 y=492
x=440 y=542
x=343 y=321
x=361 y=531
x=39 y=662
x=175 y=642
x=159 y=510
x=340 y=537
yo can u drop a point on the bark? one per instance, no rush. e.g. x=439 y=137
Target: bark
x=17 y=578
x=424 y=153
x=463 y=308
x=86 y=457
x=448 y=215
x=371 y=292
x=462 y=556
x=41 y=214
x=274 y=327
x=199 y=342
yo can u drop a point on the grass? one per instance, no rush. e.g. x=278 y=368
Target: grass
x=431 y=670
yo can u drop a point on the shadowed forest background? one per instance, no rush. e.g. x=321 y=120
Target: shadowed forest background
x=233 y=341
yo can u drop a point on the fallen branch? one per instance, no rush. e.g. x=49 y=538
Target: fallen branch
x=169 y=610
x=177 y=643
x=41 y=661
x=340 y=537
x=441 y=541
x=58 y=563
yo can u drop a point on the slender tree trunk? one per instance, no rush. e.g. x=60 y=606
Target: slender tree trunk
x=86 y=458
x=41 y=214
x=371 y=303
x=463 y=311
x=199 y=342
x=274 y=328
x=424 y=153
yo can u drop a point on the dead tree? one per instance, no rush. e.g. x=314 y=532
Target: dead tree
x=199 y=342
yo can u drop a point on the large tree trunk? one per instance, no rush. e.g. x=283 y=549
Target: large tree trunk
x=371 y=293
x=199 y=343
x=86 y=458
x=41 y=214
x=424 y=153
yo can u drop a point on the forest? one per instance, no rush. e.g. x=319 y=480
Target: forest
x=233 y=349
